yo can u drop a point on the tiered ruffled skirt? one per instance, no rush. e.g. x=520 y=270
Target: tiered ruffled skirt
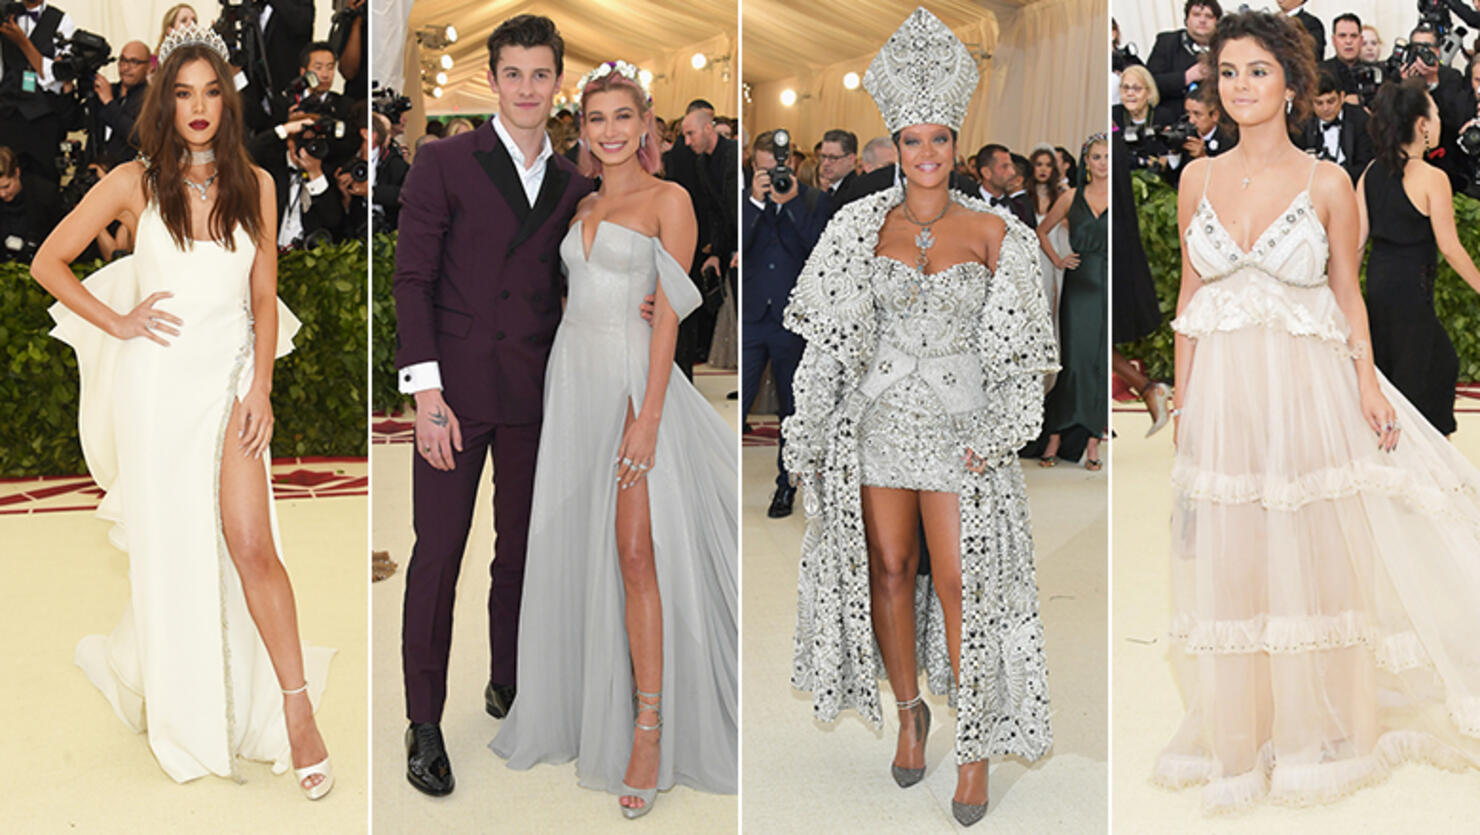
x=1326 y=594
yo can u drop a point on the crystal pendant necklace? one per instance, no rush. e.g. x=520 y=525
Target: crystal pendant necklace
x=925 y=239
x=200 y=188
x=205 y=157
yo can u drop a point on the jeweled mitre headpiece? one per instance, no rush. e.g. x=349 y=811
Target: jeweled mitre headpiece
x=192 y=35
x=924 y=74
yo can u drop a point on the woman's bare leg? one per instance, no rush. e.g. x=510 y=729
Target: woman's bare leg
x=245 y=521
x=941 y=513
x=644 y=627
x=891 y=523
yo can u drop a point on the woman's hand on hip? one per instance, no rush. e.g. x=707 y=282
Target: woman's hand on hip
x=148 y=321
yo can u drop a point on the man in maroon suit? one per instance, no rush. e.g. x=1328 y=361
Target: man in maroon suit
x=478 y=290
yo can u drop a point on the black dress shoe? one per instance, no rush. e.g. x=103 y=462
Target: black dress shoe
x=427 y=766
x=781 y=502
x=497 y=699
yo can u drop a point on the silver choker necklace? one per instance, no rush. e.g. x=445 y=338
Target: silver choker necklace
x=201 y=157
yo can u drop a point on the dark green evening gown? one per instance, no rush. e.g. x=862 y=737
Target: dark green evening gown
x=1081 y=395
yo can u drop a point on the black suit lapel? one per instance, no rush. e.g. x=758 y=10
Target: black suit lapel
x=499 y=167
x=551 y=189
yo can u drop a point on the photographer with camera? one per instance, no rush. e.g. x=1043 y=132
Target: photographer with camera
x=1136 y=120
x=1175 y=57
x=1451 y=94
x=352 y=176
x=31 y=97
x=388 y=171
x=1337 y=130
x=118 y=105
x=29 y=209
x=1358 y=78
x=778 y=231
x=1197 y=134
x=309 y=91
x=294 y=155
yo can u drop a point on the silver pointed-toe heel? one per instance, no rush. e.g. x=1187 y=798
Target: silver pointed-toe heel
x=907 y=777
x=967 y=813
x=654 y=703
x=1160 y=411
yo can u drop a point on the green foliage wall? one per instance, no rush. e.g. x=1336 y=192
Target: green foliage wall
x=318 y=396
x=1457 y=304
x=384 y=396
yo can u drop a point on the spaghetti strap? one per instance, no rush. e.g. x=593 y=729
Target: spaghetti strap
x=1316 y=163
x=1207 y=179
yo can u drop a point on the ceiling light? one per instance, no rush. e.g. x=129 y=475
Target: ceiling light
x=850 y=81
x=788 y=97
x=700 y=60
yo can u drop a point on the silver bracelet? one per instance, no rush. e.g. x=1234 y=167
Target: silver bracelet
x=1175 y=413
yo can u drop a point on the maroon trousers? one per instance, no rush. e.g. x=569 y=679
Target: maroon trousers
x=442 y=509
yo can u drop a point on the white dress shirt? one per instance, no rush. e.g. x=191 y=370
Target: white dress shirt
x=428 y=375
x=65 y=29
x=291 y=227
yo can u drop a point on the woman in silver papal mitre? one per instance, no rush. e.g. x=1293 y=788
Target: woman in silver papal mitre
x=927 y=341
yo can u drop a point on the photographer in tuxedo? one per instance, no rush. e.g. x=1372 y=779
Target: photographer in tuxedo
x=1337 y=130
x=837 y=160
x=779 y=227
x=294 y=154
x=32 y=100
x=998 y=173
x=1456 y=103
x=113 y=119
x=309 y=91
x=1174 y=59
x=1208 y=138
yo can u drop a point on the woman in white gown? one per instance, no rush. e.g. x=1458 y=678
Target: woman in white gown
x=630 y=607
x=1326 y=592
x=175 y=346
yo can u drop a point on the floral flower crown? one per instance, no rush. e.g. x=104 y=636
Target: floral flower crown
x=1096 y=137
x=192 y=35
x=622 y=68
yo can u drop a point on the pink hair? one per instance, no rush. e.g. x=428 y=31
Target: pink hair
x=650 y=152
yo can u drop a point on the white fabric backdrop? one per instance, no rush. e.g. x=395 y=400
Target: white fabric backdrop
x=1140 y=20
x=1045 y=81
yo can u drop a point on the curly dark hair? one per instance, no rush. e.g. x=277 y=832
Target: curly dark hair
x=1395 y=112
x=1291 y=46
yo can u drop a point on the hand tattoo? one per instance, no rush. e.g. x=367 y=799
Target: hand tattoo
x=438 y=418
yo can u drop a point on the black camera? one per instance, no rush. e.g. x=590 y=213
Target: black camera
x=1365 y=79
x=83 y=179
x=318 y=137
x=1123 y=56
x=238 y=25
x=13 y=10
x=781 y=174
x=301 y=85
x=1177 y=133
x=1469 y=140
x=79 y=58
x=16 y=248
x=359 y=171
x=386 y=102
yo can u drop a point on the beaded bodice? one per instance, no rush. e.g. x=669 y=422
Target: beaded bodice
x=929 y=314
x=1291 y=250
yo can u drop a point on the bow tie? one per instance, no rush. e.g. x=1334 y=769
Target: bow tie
x=1002 y=201
x=34 y=15
x=1334 y=123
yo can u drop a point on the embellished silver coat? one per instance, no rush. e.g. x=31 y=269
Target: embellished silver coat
x=1002 y=698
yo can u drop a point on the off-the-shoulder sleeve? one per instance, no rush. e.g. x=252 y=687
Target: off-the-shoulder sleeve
x=1017 y=347
x=682 y=295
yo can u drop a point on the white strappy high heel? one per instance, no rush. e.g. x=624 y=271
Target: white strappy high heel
x=322 y=768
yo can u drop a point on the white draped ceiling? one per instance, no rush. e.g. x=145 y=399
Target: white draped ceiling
x=1140 y=20
x=660 y=37
x=1044 y=82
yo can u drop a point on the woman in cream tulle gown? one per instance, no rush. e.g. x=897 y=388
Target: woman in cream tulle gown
x=1326 y=591
x=628 y=625
x=175 y=346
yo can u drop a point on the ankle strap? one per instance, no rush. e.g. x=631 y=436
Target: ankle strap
x=648 y=702
x=906 y=705
x=295 y=691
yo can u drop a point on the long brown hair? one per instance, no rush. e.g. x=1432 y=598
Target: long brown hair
x=1054 y=186
x=237 y=193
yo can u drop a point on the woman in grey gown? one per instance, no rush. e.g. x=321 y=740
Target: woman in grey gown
x=927 y=341
x=629 y=611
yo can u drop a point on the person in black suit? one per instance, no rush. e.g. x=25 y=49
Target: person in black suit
x=1337 y=131
x=34 y=107
x=995 y=167
x=287 y=30
x=1296 y=9
x=779 y=229
x=316 y=60
x=390 y=169
x=118 y=105
x=307 y=208
x=837 y=160
x=1456 y=103
x=1209 y=139
x=1346 y=58
x=707 y=165
x=1174 y=59
x=30 y=208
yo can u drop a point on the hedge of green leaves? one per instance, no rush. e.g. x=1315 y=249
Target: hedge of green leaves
x=318 y=393
x=384 y=395
x=1457 y=304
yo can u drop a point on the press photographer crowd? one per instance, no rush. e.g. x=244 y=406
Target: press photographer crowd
x=1167 y=103
x=64 y=123
x=792 y=191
